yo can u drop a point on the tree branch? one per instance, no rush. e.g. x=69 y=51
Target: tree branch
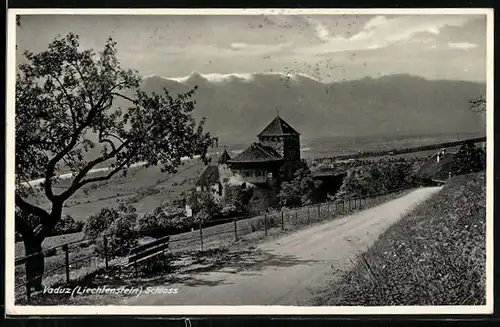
x=83 y=83
x=124 y=97
x=76 y=184
x=74 y=137
x=106 y=177
x=70 y=100
x=30 y=208
x=105 y=140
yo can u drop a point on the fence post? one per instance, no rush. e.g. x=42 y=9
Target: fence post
x=28 y=290
x=296 y=215
x=201 y=235
x=66 y=260
x=319 y=211
x=343 y=206
x=282 y=221
x=235 y=230
x=328 y=208
x=265 y=224
x=308 y=213
x=105 y=240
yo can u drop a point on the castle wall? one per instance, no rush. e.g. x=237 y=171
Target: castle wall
x=274 y=142
x=292 y=148
x=287 y=146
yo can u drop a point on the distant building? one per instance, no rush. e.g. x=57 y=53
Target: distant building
x=446 y=163
x=439 y=167
x=257 y=166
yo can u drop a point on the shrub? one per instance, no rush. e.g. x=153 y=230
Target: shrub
x=204 y=205
x=160 y=264
x=68 y=224
x=98 y=223
x=376 y=178
x=300 y=190
x=163 y=219
x=470 y=159
x=229 y=210
x=121 y=236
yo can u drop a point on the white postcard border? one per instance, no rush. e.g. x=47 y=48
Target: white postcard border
x=13 y=309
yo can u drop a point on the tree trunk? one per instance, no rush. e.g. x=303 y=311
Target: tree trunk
x=34 y=265
x=33 y=239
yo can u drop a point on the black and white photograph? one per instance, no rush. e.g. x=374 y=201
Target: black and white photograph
x=249 y=161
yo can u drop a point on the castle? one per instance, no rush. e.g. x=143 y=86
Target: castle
x=258 y=166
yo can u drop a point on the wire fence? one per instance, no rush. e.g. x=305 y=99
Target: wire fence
x=77 y=260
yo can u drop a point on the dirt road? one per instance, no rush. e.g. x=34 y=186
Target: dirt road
x=289 y=270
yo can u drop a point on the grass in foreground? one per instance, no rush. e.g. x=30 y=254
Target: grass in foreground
x=434 y=256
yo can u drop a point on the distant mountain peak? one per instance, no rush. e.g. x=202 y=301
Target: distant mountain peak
x=237 y=106
x=231 y=77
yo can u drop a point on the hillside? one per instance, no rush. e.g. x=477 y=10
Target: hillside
x=434 y=256
x=237 y=107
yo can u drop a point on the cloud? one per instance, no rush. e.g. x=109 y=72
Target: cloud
x=245 y=77
x=258 y=49
x=375 y=22
x=461 y=45
x=380 y=32
x=322 y=32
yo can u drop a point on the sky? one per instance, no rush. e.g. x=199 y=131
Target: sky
x=326 y=47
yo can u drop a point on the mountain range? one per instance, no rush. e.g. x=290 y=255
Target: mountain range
x=238 y=106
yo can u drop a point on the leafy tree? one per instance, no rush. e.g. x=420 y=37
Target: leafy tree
x=204 y=205
x=478 y=104
x=66 y=105
x=164 y=217
x=376 y=178
x=238 y=199
x=469 y=159
x=68 y=224
x=300 y=190
x=97 y=223
x=121 y=235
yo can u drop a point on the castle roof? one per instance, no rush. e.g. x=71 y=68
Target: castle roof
x=224 y=157
x=257 y=153
x=278 y=127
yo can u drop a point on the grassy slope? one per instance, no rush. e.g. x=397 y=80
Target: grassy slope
x=434 y=256
x=137 y=185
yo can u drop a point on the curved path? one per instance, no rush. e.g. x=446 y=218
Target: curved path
x=289 y=270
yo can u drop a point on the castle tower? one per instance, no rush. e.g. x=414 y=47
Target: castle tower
x=224 y=171
x=283 y=138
